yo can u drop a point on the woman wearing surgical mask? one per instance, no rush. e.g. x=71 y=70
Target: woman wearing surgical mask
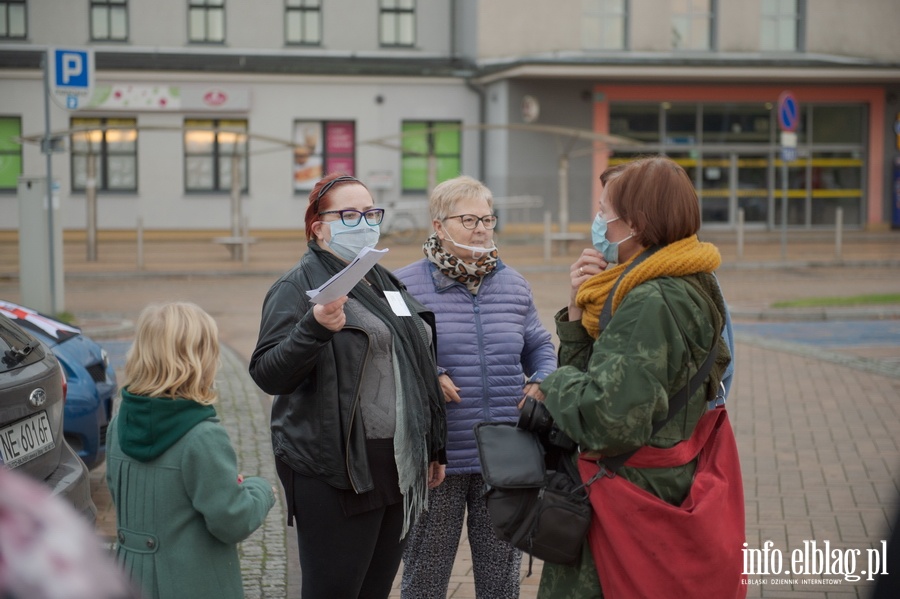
x=644 y=312
x=492 y=351
x=358 y=420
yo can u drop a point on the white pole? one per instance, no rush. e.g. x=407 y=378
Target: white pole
x=548 y=219
x=740 y=233
x=48 y=150
x=838 y=231
x=140 y=243
x=90 y=200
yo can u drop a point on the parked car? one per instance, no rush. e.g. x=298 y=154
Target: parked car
x=92 y=381
x=32 y=394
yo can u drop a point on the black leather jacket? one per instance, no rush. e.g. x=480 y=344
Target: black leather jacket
x=314 y=375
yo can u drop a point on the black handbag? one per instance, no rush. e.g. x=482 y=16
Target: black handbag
x=545 y=513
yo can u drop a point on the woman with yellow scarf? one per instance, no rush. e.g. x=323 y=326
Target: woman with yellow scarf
x=617 y=374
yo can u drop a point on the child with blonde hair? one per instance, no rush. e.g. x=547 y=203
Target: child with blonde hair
x=181 y=506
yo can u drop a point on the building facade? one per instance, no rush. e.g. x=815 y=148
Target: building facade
x=535 y=98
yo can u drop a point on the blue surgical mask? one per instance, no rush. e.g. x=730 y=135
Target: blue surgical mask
x=348 y=242
x=609 y=249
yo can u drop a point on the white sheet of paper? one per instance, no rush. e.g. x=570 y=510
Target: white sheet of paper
x=395 y=299
x=341 y=283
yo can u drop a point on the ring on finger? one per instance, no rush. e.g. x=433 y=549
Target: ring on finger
x=581 y=270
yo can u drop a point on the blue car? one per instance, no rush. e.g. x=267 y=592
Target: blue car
x=92 y=383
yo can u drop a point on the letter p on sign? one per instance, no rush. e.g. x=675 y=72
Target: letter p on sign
x=71 y=69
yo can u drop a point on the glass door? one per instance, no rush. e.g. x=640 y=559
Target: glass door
x=729 y=181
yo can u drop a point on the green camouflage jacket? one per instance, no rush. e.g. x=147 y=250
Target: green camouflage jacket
x=608 y=392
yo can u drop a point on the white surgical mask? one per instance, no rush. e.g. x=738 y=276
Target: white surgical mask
x=348 y=242
x=477 y=252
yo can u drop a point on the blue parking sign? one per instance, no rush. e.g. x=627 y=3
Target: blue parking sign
x=71 y=76
x=72 y=69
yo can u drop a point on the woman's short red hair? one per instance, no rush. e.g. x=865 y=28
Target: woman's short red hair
x=318 y=197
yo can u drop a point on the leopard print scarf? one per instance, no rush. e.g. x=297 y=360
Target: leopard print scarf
x=470 y=275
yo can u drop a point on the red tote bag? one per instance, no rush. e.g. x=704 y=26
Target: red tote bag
x=644 y=547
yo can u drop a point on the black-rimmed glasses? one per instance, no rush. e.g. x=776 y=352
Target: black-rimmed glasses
x=470 y=221
x=351 y=217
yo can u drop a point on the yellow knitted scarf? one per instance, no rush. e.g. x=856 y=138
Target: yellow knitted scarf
x=685 y=257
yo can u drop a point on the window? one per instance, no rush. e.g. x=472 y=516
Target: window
x=692 y=24
x=603 y=24
x=114 y=144
x=398 y=22
x=209 y=150
x=303 y=22
x=206 y=21
x=781 y=25
x=13 y=20
x=322 y=147
x=425 y=143
x=10 y=153
x=109 y=20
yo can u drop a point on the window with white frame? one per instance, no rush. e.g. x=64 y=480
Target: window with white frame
x=210 y=148
x=109 y=20
x=112 y=145
x=10 y=152
x=603 y=24
x=303 y=22
x=397 y=22
x=13 y=20
x=781 y=25
x=206 y=21
x=693 y=23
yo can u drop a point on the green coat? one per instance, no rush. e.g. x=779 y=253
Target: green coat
x=608 y=392
x=181 y=515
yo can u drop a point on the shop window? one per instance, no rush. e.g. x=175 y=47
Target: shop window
x=693 y=23
x=397 y=22
x=636 y=121
x=303 y=22
x=113 y=145
x=322 y=147
x=210 y=146
x=109 y=20
x=838 y=124
x=206 y=21
x=10 y=153
x=429 y=146
x=604 y=24
x=781 y=25
x=737 y=123
x=13 y=20
x=680 y=124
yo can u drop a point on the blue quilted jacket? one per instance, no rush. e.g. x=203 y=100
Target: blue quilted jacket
x=488 y=344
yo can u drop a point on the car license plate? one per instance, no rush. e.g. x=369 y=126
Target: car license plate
x=25 y=440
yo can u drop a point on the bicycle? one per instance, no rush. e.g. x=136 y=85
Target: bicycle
x=400 y=225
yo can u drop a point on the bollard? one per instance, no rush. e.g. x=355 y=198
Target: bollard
x=838 y=231
x=140 y=243
x=548 y=219
x=245 y=240
x=740 y=233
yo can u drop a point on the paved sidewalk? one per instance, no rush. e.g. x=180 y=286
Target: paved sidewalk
x=818 y=423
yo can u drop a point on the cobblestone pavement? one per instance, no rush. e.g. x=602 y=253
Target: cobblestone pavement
x=815 y=404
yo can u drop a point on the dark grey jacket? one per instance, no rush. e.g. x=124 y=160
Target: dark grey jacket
x=314 y=375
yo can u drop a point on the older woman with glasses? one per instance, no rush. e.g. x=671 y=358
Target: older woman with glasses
x=492 y=351
x=358 y=421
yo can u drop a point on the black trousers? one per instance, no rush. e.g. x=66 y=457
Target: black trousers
x=342 y=557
